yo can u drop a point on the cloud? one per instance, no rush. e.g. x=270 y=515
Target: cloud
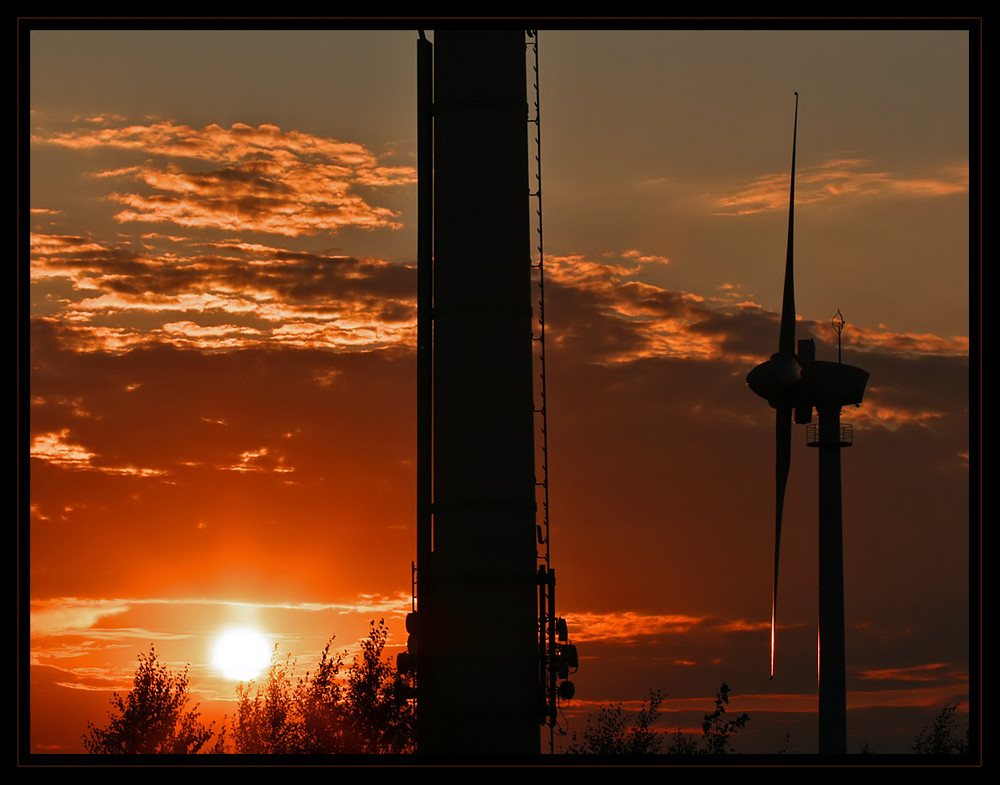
x=630 y=626
x=56 y=616
x=928 y=672
x=221 y=295
x=604 y=312
x=833 y=179
x=908 y=343
x=54 y=448
x=257 y=179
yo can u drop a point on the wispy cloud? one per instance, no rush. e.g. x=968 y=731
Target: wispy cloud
x=56 y=447
x=223 y=295
x=928 y=672
x=242 y=178
x=70 y=614
x=89 y=644
x=607 y=313
x=836 y=178
x=611 y=316
x=56 y=616
x=630 y=626
x=909 y=343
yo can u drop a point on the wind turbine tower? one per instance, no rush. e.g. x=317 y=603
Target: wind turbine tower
x=794 y=383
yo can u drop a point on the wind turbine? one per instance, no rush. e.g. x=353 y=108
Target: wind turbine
x=793 y=382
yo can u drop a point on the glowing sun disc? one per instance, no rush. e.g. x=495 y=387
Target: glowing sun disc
x=241 y=654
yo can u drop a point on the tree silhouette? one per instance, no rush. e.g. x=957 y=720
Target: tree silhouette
x=376 y=708
x=943 y=737
x=616 y=732
x=265 y=718
x=365 y=712
x=683 y=744
x=718 y=732
x=613 y=733
x=152 y=718
x=320 y=703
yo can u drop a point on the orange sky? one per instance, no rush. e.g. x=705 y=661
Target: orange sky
x=221 y=379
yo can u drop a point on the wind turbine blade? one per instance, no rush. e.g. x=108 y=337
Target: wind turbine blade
x=782 y=462
x=786 y=338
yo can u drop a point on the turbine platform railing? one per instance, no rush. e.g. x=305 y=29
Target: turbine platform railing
x=813 y=435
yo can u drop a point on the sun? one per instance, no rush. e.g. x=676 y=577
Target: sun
x=241 y=654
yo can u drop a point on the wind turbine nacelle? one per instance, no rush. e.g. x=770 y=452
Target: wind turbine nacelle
x=834 y=384
x=773 y=380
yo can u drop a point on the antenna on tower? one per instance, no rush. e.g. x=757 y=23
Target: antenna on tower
x=838 y=325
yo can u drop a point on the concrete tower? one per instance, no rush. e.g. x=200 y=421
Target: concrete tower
x=476 y=625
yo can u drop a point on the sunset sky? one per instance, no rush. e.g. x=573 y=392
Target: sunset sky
x=220 y=265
